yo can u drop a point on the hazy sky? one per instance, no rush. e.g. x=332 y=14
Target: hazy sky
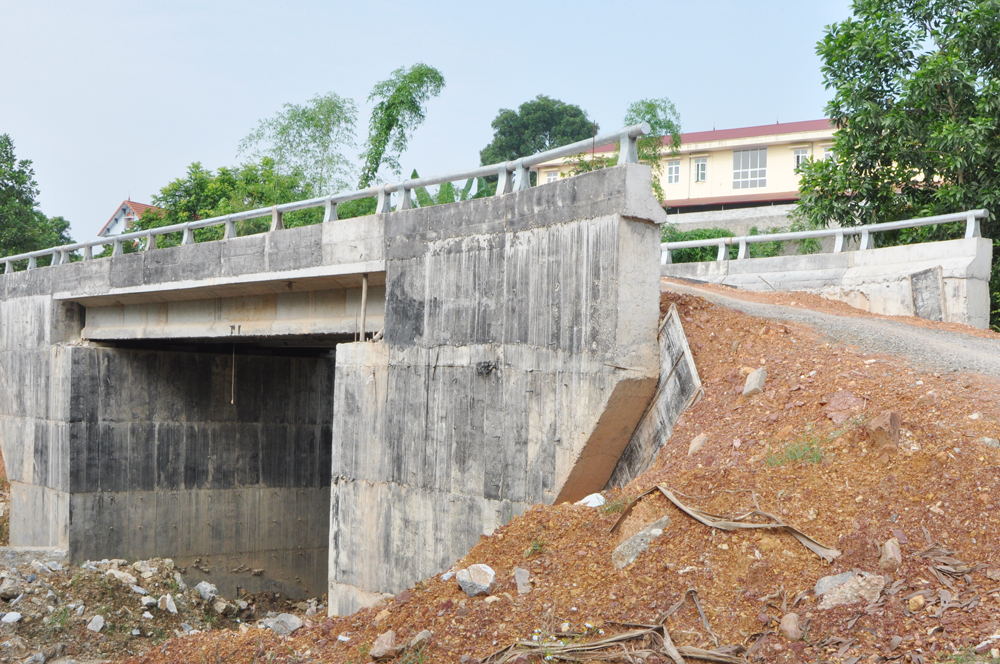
x=111 y=99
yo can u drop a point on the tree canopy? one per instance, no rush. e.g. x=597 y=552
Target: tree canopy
x=309 y=138
x=916 y=102
x=23 y=227
x=540 y=124
x=400 y=109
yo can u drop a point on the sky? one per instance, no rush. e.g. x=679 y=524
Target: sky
x=113 y=100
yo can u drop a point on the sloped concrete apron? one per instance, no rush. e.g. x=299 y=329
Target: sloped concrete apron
x=520 y=353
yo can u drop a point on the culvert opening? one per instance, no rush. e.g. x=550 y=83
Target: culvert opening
x=216 y=455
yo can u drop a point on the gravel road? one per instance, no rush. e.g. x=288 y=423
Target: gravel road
x=931 y=350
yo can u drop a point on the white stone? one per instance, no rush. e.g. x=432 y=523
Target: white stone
x=523 y=580
x=139 y=590
x=593 y=500
x=697 y=443
x=166 y=603
x=96 y=623
x=10 y=618
x=147 y=615
x=755 y=382
x=207 y=591
x=126 y=578
x=282 y=624
x=476 y=579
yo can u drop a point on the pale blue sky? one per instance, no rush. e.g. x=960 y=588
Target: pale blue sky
x=118 y=97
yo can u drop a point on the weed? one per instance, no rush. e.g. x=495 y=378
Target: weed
x=615 y=505
x=537 y=548
x=807 y=448
x=968 y=656
x=414 y=656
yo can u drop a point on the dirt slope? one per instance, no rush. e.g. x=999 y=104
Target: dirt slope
x=936 y=492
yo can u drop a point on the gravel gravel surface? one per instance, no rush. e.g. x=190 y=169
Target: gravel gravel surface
x=928 y=349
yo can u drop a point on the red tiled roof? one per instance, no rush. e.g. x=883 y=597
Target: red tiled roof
x=744 y=132
x=137 y=208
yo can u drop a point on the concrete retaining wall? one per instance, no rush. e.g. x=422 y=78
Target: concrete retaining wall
x=935 y=280
x=520 y=353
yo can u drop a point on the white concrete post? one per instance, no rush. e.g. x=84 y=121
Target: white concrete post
x=384 y=204
x=117 y=251
x=230 y=231
x=329 y=211
x=8 y=267
x=629 y=150
x=743 y=249
x=188 y=236
x=32 y=264
x=838 y=245
x=364 y=303
x=403 y=200
x=277 y=222
x=866 y=241
x=523 y=180
x=723 y=251
x=504 y=181
x=88 y=252
x=665 y=257
x=972 y=227
x=150 y=242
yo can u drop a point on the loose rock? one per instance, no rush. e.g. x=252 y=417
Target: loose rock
x=282 y=624
x=593 y=500
x=477 y=579
x=626 y=552
x=421 y=638
x=10 y=618
x=755 y=382
x=892 y=557
x=9 y=589
x=867 y=588
x=384 y=646
x=523 y=580
x=884 y=430
x=207 y=591
x=828 y=583
x=916 y=603
x=697 y=443
x=96 y=623
x=791 y=626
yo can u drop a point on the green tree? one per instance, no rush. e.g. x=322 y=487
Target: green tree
x=400 y=110
x=309 y=139
x=202 y=194
x=23 y=227
x=537 y=125
x=916 y=100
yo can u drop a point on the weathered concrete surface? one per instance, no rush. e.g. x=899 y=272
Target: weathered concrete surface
x=162 y=450
x=936 y=280
x=520 y=353
x=679 y=386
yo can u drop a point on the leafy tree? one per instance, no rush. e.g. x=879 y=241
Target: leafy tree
x=537 y=125
x=309 y=139
x=916 y=102
x=400 y=109
x=202 y=194
x=23 y=227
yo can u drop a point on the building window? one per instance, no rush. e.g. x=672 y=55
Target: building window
x=674 y=171
x=828 y=154
x=750 y=168
x=800 y=155
x=551 y=176
x=701 y=169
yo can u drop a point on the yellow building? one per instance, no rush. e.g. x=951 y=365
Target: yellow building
x=727 y=169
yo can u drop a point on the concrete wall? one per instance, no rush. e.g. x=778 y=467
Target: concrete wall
x=936 y=280
x=520 y=353
x=739 y=220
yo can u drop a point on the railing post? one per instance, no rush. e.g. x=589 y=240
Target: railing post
x=403 y=200
x=330 y=211
x=523 y=180
x=8 y=267
x=230 y=231
x=866 y=240
x=32 y=263
x=187 y=236
x=384 y=203
x=838 y=244
x=364 y=303
x=743 y=249
x=277 y=222
x=150 y=242
x=629 y=149
x=117 y=251
x=88 y=252
x=972 y=228
x=665 y=257
x=504 y=181
x=723 y=251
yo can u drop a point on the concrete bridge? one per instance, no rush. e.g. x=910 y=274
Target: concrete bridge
x=223 y=404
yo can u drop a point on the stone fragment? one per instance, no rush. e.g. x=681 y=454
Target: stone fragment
x=166 y=603
x=181 y=586
x=10 y=618
x=993 y=574
x=139 y=590
x=523 y=580
x=126 y=578
x=282 y=624
x=842 y=405
x=476 y=579
x=755 y=382
x=626 y=552
x=916 y=603
x=891 y=557
x=54 y=566
x=421 y=638
x=37 y=658
x=884 y=430
x=791 y=626
x=207 y=591
x=222 y=607
x=382 y=615
x=147 y=615
x=697 y=443
x=96 y=623
x=990 y=442
x=149 y=601
x=40 y=568
x=10 y=588
x=384 y=646
x=593 y=500
x=860 y=588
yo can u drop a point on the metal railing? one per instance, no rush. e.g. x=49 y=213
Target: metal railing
x=971 y=219
x=512 y=176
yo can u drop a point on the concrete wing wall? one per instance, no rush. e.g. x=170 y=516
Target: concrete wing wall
x=520 y=352
x=946 y=281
